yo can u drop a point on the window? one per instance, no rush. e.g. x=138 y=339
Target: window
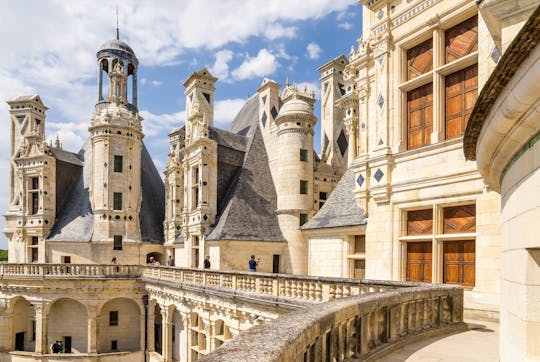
x=34 y=255
x=117 y=201
x=113 y=318
x=303 y=187
x=322 y=198
x=118 y=163
x=420 y=116
x=117 y=244
x=303 y=219
x=360 y=268
x=114 y=345
x=33 y=330
x=66 y=259
x=450 y=229
x=34 y=195
x=359 y=244
x=195 y=187
x=461 y=92
x=34 y=240
x=275 y=263
x=303 y=155
x=460 y=89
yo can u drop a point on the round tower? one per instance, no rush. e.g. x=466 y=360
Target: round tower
x=294 y=186
x=116 y=145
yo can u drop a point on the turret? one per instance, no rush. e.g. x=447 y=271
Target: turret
x=32 y=203
x=116 y=136
x=294 y=186
x=334 y=143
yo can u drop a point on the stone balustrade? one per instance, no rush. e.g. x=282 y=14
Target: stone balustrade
x=357 y=328
x=305 y=288
x=11 y=270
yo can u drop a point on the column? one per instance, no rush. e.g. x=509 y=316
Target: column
x=184 y=340
x=438 y=133
x=93 y=320
x=134 y=89
x=100 y=82
x=41 y=330
x=166 y=338
x=150 y=332
x=350 y=129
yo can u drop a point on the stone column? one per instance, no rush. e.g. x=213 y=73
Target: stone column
x=100 y=82
x=134 y=90
x=166 y=338
x=150 y=333
x=5 y=333
x=438 y=133
x=184 y=341
x=41 y=330
x=93 y=320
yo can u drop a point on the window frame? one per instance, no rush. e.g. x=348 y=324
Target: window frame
x=304 y=187
x=118 y=201
x=118 y=163
x=118 y=242
x=113 y=321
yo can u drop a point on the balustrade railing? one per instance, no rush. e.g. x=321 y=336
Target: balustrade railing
x=11 y=270
x=354 y=329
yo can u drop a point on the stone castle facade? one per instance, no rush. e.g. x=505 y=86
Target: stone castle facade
x=391 y=197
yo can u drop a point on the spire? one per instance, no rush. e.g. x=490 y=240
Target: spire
x=117 y=29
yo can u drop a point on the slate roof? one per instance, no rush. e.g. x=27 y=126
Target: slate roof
x=74 y=218
x=247 y=210
x=340 y=209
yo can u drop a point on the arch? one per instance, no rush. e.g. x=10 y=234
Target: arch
x=119 y=326
x=68 y=322
x=158 y=329
x=221 y=333
x=179 y=336
x=23 y=322
x=155 y=256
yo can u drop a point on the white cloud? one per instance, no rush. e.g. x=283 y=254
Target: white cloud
x=143 y=81
x=276 y=31
x=220 y=68
x=313 y=50
x=346 y=25
x=157 y=83
x=161 y=124
x=265 y=63
x=225 y=111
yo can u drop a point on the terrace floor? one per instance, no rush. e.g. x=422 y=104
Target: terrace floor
x=479 y=343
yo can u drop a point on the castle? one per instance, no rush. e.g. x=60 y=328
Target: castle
x=391 y=196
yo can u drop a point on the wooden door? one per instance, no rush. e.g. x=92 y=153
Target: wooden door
x=459 y=262
x=419 y=259
x=419 y=116
x=275 y=263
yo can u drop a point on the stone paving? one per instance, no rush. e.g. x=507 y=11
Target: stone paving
x=479 y=343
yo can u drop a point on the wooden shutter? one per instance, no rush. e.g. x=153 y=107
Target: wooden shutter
x=420 y=116
x=419 y=261
x=459 y=262
x=462 y=39
x=460 y=219
x=461 y=93
x=420 y=222
x=420 y=59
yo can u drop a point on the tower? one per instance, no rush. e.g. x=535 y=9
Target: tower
x=32 y=203
x=294 y=186
x=269 y=103
x=116 y=144
x=199 y=165
x=334 y=143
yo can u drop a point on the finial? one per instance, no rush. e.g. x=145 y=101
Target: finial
x=287 y=81
x=57 y=143
x=117 y=29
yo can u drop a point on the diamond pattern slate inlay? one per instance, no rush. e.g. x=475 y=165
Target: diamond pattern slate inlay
x=495 y=55
x=264 y=118
x=264 y=99
x=380 y=100
x=325 y=144
x=378 y=175
x=342 y=143
x=273 y=112
x=360 y=180
x=380 y=14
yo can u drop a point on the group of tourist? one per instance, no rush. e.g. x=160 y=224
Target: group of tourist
x=57 y=347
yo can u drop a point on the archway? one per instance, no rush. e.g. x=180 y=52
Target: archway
x=68 y=322
x=24 y=325
x=179 y=340
x=158 y=331
x=119 y=326
x=152 y=257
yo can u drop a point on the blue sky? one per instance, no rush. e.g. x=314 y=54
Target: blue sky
x=48 y=48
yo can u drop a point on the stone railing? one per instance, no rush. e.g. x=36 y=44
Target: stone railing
x=358 y=328
x=11 y=270
x=306 y=288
